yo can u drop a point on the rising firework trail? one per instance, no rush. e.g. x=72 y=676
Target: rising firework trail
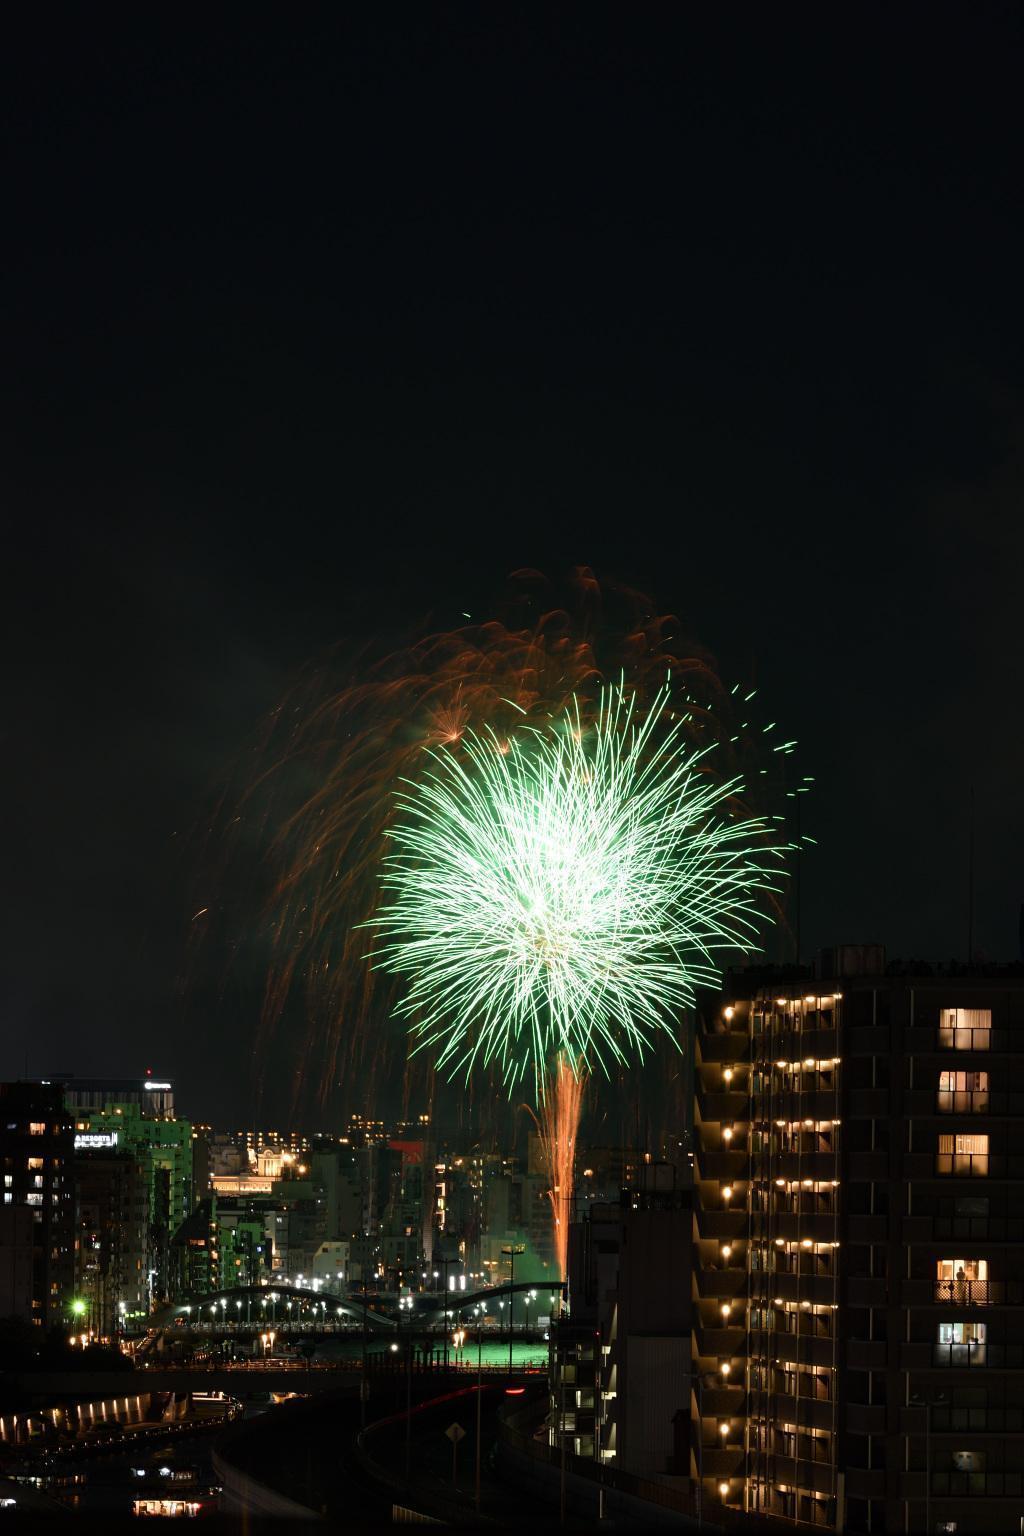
x=554 y=895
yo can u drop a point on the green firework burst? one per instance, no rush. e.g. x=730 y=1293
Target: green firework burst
x=564 y=892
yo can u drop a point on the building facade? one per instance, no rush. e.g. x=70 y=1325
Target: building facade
x=36 y=1144
x=112 y=1246
x=859 y=1343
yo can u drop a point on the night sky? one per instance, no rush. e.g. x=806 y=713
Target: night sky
x=313 y=332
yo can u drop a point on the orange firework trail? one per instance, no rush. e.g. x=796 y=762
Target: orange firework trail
x=558 y=1124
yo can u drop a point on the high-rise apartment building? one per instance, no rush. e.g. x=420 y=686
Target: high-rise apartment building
x=859 y=1171
x=36 y=1163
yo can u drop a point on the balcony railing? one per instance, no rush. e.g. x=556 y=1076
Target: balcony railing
x=963 y=1039
x=993 y=1485
x=964 y=1165
x=991 y=1229
x=967 y=1356
x=968 y=1293
x=962 y=1101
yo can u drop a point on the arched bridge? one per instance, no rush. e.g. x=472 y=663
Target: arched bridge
x=258 y=1307
x=297 y=1309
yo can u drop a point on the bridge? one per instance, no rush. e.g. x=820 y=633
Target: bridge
x=293 y=1309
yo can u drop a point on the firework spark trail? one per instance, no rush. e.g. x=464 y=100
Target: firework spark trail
x=555 y=897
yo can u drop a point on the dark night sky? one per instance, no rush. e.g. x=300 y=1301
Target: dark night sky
x=312 y=332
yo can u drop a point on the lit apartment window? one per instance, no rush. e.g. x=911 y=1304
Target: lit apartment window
x=963 y=1155
x=33 y=1198
x=963 y=1093
x=964 y=1281
x=965 y=1029
x=33 y=1164
x=960 y=1344
x=37 y=1128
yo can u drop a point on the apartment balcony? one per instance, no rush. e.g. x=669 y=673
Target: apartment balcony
x=963 y=1293
x=723 y=1222
x=807 y=1165
x=717 y=1106
x=719 y=1343
x=812 y=1476
x=818 y=1104
x=727 y=1047
x=868 y=1229
x=724 y=1281
x=868 y=1040
x=868 y=1354
x=820 y=1289
x=720 y=1462
x=865 y=1483
x=869 y=1167
x=865 y=1418
x=722 y=1402
x=793 y=1348
x=973 y=1356
x=786 y=1408
x=869 y=1104
x=822 y=1228
x=864 y=1291
x=725 y=1166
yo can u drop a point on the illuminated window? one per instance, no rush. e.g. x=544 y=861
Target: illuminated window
x=964 y=1281
x=34 y=1163
x=37 y=1128
x=961 y=1344
x=963 y=1155
x=33 y=1198
x=965 y=1029
x=963 y=1093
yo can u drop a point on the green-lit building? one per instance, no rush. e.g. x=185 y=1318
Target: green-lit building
x=162 y=1146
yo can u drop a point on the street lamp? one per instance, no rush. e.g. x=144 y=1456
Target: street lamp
x=928 y=1403
x=512 y=1249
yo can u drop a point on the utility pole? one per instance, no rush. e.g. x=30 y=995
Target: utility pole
x=479 y=1401
x=561 y=1428
x=408 y=1409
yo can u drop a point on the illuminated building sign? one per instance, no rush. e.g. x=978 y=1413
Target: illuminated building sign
x=152 y=1087
x=85 y=1140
